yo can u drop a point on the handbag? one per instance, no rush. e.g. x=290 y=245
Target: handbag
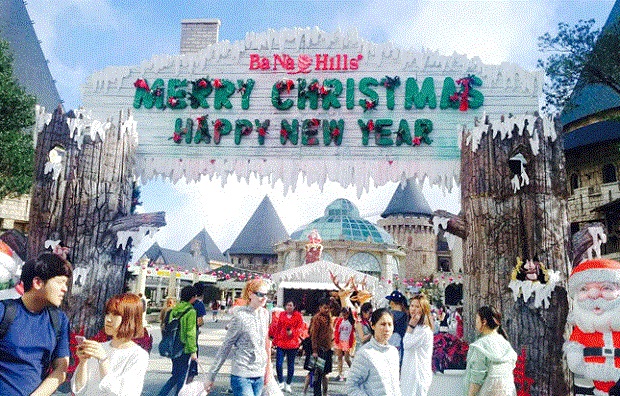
x=194 y=388
x=316 y=363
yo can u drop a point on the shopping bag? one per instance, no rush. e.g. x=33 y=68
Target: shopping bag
x=194 y=388
x=272 y=388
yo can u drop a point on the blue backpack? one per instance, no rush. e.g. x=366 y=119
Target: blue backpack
x=171 y=345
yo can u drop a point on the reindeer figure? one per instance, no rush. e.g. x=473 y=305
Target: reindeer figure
x=343 y=293
x=360 y=295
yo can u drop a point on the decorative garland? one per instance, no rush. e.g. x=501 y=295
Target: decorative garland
x=370 y=104
x=221 y=126
x=310 y=129
x=390 y=84
x=262 y=130
x=332 y=131
x=465 y=92
x=242 y=128
x=289 y=132
x=202 y=132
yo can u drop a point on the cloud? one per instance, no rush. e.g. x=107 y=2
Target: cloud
x=50 y=18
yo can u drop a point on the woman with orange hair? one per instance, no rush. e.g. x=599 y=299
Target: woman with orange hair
x=116 y=367
x=248 y=341
x=416 y=371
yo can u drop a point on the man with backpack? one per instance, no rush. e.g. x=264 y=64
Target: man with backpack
x=34 y=333
x=181 y=319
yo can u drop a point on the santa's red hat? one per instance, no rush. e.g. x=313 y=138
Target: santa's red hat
x=595 y=270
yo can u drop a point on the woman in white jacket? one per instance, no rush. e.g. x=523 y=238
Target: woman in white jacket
x=116 y=367
x=417 y=371
x=375 y=368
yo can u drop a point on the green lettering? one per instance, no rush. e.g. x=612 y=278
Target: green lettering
x=332 y=131
x=310 y=92
x=176 y=93
x=289 y=132
x=422 y=128
x=276 y=100
x=223 y=94
x=242 y=128
x=331 y=99
x=221 y=127
x=403 y=135
x=246 y=90
x=365 y=87
x=201 y=88
x=383 y=135
x=150 y=98
x=350 y=93
x=449 y=89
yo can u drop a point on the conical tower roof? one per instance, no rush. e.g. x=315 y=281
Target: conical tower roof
x=408 y=200
x=208 y=248
x=29 y=64
x=588 y=99
x=261 y=233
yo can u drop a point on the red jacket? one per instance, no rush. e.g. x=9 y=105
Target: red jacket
x=337 y=331
x=280 y=336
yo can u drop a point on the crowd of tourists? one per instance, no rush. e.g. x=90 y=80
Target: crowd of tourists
x=388 y=351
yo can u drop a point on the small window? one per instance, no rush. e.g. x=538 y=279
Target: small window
x=609 y=173
x=574 y=181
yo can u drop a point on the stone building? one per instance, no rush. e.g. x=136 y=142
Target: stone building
x=347 y=239
x=253 y=249
x=407 y=218
x=591 y=141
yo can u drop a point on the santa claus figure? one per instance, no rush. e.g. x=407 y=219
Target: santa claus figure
x=593 y=349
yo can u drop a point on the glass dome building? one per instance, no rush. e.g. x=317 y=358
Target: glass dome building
x=348 y=240
x=342 y=221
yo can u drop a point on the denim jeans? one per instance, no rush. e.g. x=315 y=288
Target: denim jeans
x=179 y=370
x=242 y=386
x=290 y=364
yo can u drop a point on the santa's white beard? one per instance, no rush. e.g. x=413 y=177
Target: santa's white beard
x=589 y=322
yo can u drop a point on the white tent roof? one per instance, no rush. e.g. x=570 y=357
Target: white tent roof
x=316 y=276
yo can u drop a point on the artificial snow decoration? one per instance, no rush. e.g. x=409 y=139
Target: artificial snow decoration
x=533 y=279
x=520 y=178
x=598 y=237
x=54 y=162
x=123 y=236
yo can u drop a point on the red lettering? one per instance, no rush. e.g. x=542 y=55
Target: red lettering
x=285 y=61
x=346 y=61
x=321 y=61
x=355 y=62
x=254 y=61
x=264 y=64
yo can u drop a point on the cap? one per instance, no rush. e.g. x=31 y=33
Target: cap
x=595 y=270
x=397 y=297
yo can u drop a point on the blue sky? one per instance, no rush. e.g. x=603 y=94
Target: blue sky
x=80 y=37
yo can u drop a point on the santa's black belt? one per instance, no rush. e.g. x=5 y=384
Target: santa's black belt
x=606 y=352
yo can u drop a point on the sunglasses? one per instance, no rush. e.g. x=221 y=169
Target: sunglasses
x=260 y=294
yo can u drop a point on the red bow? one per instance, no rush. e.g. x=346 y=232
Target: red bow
x=283 y=133
x=217 y=83
x=262 y=132
x=416 y=141
x=335 y=133
x=202 y=83
x=140 y=83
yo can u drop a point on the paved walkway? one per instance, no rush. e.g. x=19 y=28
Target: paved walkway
x=210 y=339
x=212 y=334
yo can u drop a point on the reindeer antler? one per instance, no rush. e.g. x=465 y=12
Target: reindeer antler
x=334 y=279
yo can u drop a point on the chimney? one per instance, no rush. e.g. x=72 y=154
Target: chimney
x=197 y=34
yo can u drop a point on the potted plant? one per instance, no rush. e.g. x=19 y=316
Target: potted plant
x=449 y=352
x=449 y=361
